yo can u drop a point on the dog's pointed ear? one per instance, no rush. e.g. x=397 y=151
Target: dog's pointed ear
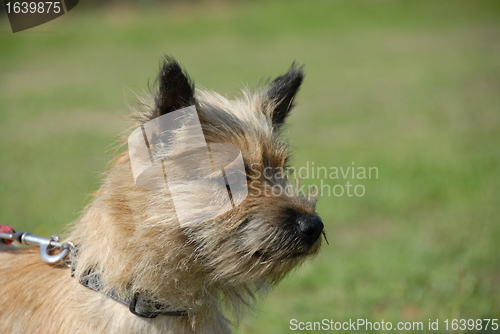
x=176 y=90
x=281 y=92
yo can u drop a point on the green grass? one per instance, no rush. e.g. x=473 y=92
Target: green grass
x=412 y=88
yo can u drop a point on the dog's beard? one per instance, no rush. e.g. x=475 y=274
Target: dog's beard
x=254 y=251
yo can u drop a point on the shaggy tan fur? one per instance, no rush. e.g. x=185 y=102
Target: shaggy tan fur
x=132 y=238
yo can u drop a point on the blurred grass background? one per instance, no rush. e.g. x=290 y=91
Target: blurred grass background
x=412 y=88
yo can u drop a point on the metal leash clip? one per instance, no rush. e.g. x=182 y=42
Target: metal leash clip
x=47 y=245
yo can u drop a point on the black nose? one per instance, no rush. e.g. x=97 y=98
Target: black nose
x=311 y=228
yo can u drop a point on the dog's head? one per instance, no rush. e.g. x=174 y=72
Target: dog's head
x=273 y=227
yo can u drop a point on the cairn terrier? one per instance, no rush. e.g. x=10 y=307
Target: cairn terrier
x=140 y=264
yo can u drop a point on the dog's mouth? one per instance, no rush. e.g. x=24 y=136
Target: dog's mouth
x=266 y=255
x=298 y=252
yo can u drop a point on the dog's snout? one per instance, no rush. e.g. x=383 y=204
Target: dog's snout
x=311 y=227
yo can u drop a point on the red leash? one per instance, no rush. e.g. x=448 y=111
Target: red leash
x=6 y=229
x=7 y=235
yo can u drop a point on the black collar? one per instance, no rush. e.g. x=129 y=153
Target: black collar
x=138 y=305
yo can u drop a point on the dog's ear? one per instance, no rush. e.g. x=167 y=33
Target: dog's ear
x=282 y=91
x=176 y=90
